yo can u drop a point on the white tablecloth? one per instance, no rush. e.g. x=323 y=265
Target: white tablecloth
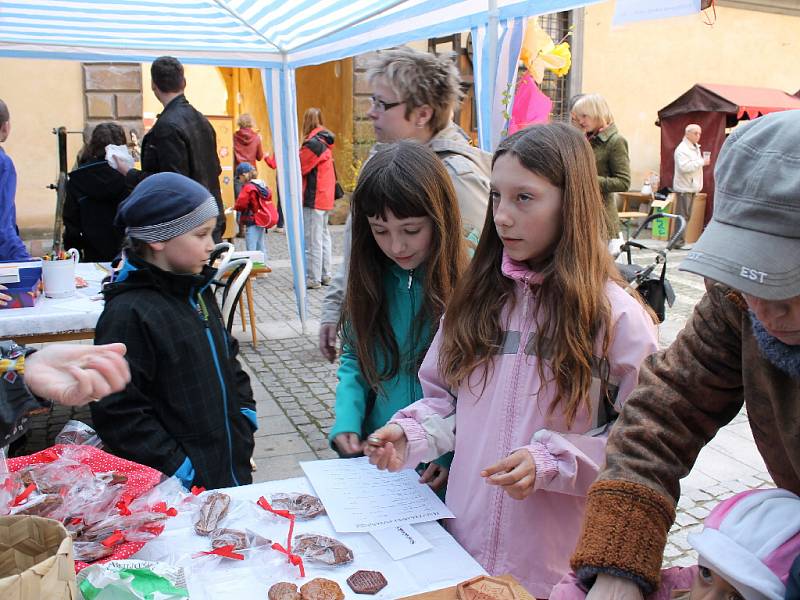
x=58 y=315
x=444 y=565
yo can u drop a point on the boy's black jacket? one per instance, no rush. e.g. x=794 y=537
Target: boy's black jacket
x=187 y=387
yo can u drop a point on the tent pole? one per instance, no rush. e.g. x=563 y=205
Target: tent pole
x=494 y=17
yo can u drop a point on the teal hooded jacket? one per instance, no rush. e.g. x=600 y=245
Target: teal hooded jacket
x=404 y=298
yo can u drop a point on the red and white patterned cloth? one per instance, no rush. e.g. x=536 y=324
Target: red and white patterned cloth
x=140 y=480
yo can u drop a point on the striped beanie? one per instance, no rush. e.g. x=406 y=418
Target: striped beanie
x=751 y=540
x=164 y=206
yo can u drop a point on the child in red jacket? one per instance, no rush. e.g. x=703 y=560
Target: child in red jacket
x=255 y=208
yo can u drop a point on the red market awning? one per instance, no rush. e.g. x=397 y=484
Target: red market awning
x=738 y=101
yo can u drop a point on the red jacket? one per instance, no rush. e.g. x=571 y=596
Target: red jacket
x=247 y=147
x=316 y=165
x=255 y=206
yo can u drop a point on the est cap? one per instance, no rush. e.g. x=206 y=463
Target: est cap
x=752 y=243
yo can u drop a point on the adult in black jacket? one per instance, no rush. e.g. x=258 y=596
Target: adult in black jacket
x=182 y=140
x=94 y=191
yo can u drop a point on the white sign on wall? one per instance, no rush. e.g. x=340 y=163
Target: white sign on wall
x=631 y=11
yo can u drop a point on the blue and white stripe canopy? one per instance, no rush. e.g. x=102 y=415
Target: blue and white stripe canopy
x=277 y=36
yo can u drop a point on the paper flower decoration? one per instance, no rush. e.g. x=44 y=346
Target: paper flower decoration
x=539 y=53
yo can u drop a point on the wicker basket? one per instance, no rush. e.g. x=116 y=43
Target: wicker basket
x=35 y=560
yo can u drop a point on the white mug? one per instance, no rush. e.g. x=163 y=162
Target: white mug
x=59 y=275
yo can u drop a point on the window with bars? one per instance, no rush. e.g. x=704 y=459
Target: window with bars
x=557 y=26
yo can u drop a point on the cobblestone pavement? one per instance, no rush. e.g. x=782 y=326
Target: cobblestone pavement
x=295 y=386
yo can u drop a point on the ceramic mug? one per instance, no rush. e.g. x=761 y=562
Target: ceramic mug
x=59 y=275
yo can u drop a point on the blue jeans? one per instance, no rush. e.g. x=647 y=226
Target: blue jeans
x=255 y=238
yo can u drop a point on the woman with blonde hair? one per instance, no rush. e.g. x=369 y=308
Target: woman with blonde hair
x=319 y=188
x=592 y=115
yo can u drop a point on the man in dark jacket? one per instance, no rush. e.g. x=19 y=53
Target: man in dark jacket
x=182 y=140
x=741 y=347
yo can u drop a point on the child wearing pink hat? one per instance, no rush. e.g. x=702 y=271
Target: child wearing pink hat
x=745 y=552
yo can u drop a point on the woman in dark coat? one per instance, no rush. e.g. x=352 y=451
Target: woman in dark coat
x=592 y=115
x=94 y=190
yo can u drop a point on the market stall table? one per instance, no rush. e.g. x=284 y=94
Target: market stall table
x=59 y=319
x=444 y=565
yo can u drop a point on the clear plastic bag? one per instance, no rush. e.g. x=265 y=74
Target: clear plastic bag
x=302 y=506
x=79 y=434
x=322 y=549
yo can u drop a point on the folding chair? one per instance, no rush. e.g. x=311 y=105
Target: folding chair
x=232 y=282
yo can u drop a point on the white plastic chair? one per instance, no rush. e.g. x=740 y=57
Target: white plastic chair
x=236 y=274
x=220 y=257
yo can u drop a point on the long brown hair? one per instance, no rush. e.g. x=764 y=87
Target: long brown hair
x=312 y=119
x=575 y=309
x=408 y=180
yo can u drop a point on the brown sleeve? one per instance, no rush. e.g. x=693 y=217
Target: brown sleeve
x=685 y=394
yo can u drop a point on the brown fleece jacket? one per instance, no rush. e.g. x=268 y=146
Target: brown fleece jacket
x=685 y=395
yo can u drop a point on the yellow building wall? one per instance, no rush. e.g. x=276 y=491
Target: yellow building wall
x=41 y=95
x=643 y=67
x=205 y=89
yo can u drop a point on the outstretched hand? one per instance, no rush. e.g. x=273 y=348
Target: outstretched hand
x=75 y=374
x=387 y=447
x=516 y=474
x=608 y=587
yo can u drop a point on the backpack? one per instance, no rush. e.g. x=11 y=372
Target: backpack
x=265 y=215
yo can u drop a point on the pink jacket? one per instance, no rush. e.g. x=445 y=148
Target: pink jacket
x=675 y=583
x=533 y=538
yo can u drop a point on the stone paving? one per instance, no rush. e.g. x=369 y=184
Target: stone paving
x=294 y=388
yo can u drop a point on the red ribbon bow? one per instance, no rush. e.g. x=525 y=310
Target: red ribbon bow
x=114 y=539
x=75 y=521
x=122 y=505
x=296 y=560
x=293 y=558
x=49 y=455
x=161 y=507
x=196 y=491
x=27 y=492
x=224 y=551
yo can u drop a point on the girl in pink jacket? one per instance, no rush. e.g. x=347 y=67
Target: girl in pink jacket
x=538 y=349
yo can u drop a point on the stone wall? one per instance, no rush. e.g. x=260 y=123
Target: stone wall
x=113 y=92
x=363 y=133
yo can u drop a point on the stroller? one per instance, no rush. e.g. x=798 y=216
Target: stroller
x=654 y=287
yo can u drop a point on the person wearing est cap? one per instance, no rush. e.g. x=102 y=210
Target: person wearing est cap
x=740 y=347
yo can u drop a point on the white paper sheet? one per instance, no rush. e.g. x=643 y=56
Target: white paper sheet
x=402 y=541
x=631 y=11
x=358 y=497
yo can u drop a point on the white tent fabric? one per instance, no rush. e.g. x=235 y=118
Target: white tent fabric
x=275 y=35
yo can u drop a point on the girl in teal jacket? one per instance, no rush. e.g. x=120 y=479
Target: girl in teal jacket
x=407 y=254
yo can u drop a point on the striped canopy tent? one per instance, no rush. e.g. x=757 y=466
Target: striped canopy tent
x=277 y=36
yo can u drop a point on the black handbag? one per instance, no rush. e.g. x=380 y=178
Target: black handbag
x=338 y=191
